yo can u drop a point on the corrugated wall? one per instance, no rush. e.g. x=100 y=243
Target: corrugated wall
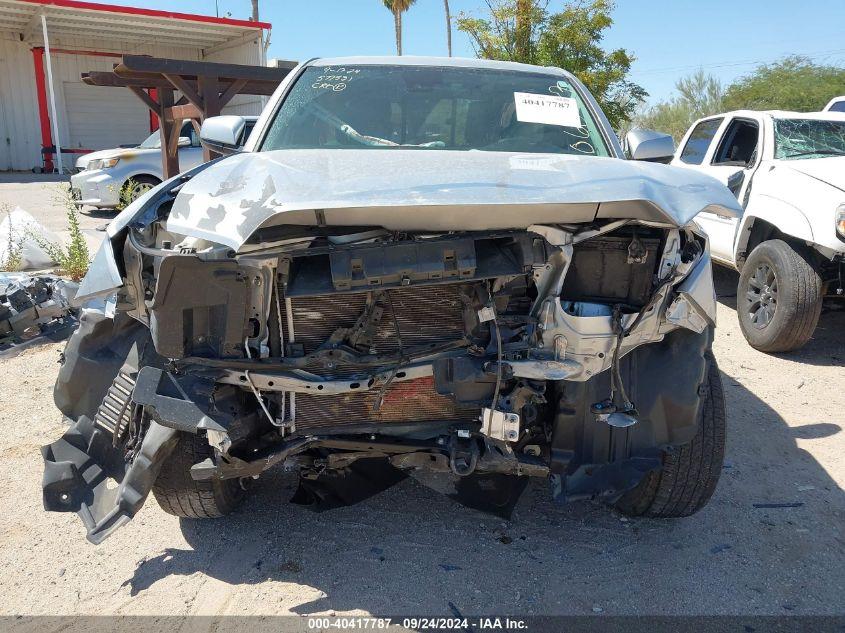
x=20 y=135
x=250 y=54
x=20 y=131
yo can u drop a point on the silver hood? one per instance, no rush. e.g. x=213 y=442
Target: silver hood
x=433 y=190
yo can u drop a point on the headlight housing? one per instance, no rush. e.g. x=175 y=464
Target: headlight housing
x=840 y=221
x=103 y=163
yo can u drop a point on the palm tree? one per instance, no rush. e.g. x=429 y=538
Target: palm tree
x=522 y=43
x=255 y=10
x=397 y=8
x=448 y=27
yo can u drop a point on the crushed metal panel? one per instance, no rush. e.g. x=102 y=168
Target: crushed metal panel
x=248 y=191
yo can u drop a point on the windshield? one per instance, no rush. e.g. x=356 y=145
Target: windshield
x=434 y=108
x=808 y=138
x=153 y=141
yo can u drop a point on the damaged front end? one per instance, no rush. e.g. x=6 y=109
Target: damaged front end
x=355 y=355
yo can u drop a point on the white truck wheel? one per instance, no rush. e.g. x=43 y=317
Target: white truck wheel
x=778 y=298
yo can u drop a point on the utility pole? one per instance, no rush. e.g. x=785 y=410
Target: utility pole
x=448 y=27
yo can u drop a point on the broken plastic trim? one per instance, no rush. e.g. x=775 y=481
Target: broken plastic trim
x=78 y=468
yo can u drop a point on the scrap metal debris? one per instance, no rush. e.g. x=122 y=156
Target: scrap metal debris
x=32 y=306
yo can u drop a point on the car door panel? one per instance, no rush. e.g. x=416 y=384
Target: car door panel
x=735 y=153
x=696 y=154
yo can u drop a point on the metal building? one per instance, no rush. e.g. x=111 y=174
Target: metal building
x=45 y=45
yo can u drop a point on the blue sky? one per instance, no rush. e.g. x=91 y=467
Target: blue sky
x=670 y=38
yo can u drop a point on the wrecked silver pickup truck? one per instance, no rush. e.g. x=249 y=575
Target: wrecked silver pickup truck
x=415 y=265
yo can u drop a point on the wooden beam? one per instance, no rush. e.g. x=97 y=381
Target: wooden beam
x=209 y=88
x=173 y=142
x=185 y=67
x=140 y=80
x=181 y=112
x=186 y=89
x=234 y=88
x=168 y=130
x=151 y=103
x=98 y=78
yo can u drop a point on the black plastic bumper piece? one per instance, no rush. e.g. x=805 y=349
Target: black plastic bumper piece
x=81 y=468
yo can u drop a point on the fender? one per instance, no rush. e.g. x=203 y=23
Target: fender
x=788 y=219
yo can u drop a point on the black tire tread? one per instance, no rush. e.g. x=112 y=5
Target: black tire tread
x=801 y=300
x=690 y=473
x=179 y=494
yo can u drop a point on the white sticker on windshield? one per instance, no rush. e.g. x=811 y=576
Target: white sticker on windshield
x=548 y=109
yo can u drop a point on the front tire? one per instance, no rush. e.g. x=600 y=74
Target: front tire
x=136 y=187
x=179 y=494
x=690 y=473
x=778 y=297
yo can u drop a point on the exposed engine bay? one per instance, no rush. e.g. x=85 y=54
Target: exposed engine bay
x=325 y=349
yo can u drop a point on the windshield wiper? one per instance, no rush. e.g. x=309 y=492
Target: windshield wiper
x=826 y=152
x=366 y=139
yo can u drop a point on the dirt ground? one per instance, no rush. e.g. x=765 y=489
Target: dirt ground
x=38 y=195
x=411 y=550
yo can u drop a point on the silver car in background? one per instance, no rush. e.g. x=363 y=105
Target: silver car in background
x=109 y=177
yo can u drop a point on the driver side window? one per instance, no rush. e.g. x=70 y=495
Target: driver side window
x=738 y=146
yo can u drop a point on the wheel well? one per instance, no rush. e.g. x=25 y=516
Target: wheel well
x=761 y=231
x=138 y=177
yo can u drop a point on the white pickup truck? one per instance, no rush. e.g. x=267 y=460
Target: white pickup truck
x=788 y=171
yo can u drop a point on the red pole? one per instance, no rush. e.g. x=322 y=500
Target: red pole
x=43 y=113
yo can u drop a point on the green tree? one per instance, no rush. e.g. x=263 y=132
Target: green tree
x=525 y=31
x=699 y=95
x=793 y=83
x=397 y=8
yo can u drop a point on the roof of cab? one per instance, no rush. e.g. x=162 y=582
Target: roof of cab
x=779 y=114
x=455 y=62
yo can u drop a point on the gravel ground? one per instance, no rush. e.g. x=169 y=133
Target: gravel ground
x=39 y=195
x=411 y=550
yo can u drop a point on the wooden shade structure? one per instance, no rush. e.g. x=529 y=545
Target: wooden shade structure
x=206 y=87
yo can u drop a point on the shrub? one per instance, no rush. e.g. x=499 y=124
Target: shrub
x=12 y=260
x=73 y=258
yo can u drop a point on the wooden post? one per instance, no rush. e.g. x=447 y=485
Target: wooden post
x=169 y=130
x=209 y=88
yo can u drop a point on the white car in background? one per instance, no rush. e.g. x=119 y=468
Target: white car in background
x=788 y=171
x=837 y=104
x=109 y=177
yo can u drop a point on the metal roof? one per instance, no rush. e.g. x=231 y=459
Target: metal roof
x=72 y=18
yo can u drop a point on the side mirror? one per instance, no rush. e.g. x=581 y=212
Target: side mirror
x=650 y=146
x=222 y=134
x=184 y=141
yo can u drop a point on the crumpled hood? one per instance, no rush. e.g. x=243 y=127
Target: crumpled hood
x=830 y=170
x=433 y=190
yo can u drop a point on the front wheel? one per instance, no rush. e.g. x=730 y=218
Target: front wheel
x=179 y=494
x=688 y=477
x=136 y=187
x=778 y=298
